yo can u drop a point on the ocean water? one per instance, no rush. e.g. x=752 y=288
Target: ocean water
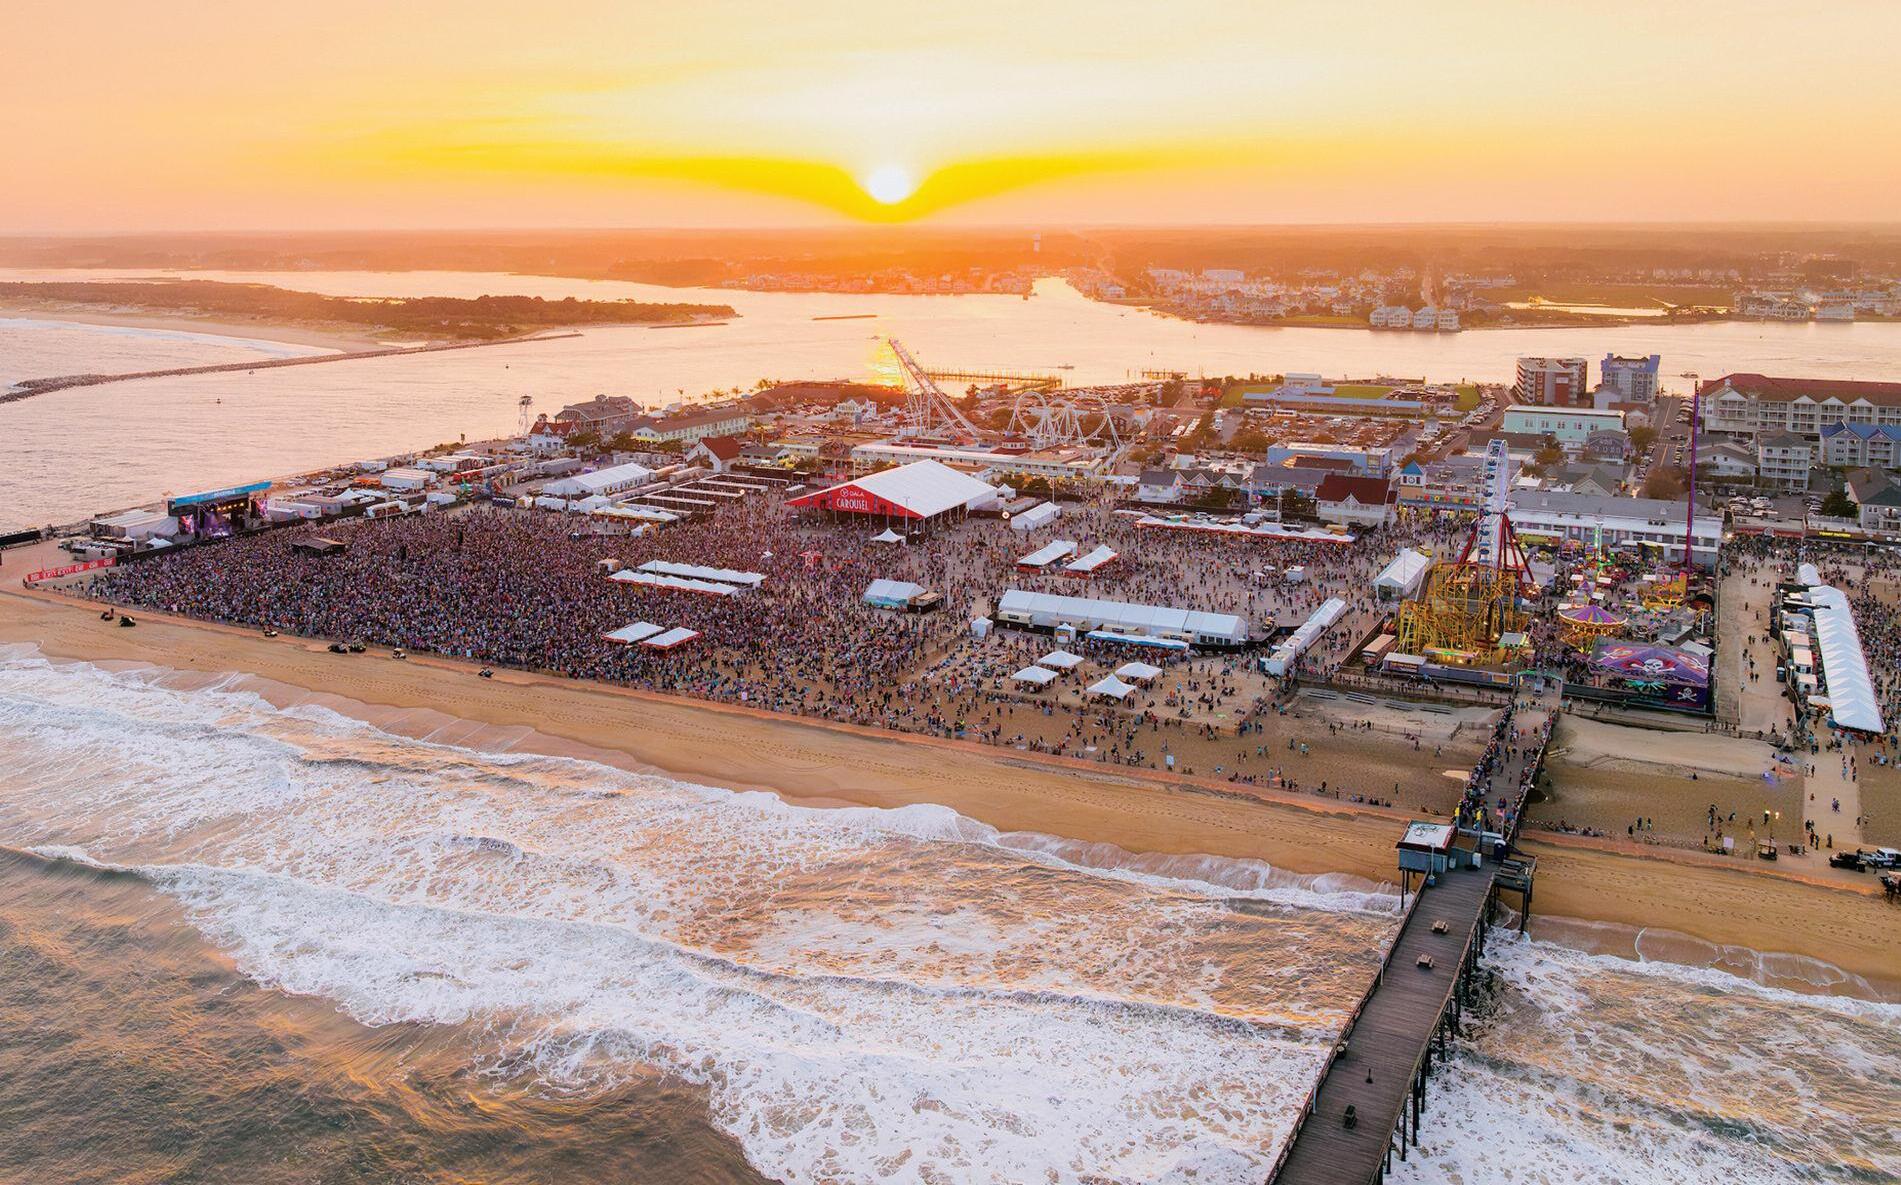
x=1591 y=1067
x=290 y=943
x=207 y=431
x=519 y=938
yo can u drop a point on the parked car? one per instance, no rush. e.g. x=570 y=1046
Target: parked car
x=1848 y=860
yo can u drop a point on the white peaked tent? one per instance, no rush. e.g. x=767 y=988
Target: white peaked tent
x=1403 y=576
x=1062 y=660
x=1137 y=672
x=1041 y=676
x=640 y=631
x=1112 y=687
x=887 y=536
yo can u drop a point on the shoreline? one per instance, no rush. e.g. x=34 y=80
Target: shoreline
x=821 y=763
x=339 y=339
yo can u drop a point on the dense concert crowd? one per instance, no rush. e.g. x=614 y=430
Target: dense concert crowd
x=528 y=589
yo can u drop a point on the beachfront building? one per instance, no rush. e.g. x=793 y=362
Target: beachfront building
x=1634 y=380
x=1756 y=404
x=603 y=414
x=1551 y=382
x=1784 y=461
x=693 y=427
x=1355 y=501
x=1651 y=525
x=1571 y=427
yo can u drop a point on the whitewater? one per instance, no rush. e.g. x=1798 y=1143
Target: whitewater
x=888 y=995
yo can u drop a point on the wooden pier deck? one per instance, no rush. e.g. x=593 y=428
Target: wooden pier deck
x=1402 y=1022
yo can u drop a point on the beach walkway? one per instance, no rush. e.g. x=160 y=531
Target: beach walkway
x=1380 y=1071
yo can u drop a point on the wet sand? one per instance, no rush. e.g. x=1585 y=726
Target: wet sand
x=1773 y=909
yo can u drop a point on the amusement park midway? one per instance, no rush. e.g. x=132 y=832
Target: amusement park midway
x=1288 y=677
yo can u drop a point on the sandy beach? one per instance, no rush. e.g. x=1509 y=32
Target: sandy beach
x=339 y=338
x=1836 y=921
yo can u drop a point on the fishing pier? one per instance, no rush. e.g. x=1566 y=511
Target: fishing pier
x=1367 y=1107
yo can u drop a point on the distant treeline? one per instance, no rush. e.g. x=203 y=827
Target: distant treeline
x=436 y=317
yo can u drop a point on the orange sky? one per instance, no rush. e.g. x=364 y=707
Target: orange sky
x=213 y=114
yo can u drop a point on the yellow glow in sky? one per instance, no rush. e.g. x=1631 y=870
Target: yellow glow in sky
x=216 y=114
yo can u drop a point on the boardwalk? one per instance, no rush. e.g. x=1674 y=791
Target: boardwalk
x=1379 y=1072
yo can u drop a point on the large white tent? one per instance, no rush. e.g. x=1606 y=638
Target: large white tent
x=920 y=490
x=1851 y=692
x=1084 y=565
x=639 y=631
x=1062 y=660
x=612 y=480
x=1048 y=554
x=675 y=583
x=1402 y=577
x=1112 y=687
x=1040 y=515
x=1041 y=676
x=696 y=572
x=1295 y=644
x=1045 y=611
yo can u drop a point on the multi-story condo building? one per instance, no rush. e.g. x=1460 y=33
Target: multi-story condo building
x=1757 y=405
x=1634 y=379
x=1551 y=382
x=1784 y=460
x=1861 y=446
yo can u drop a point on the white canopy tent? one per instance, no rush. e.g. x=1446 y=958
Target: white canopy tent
x=1040 y=515
x=675 y=583
x=1045 y=610
x=1048 y=554
x=627 y=635
x=1112 y=687
x=1084 y=565
x=1853 y=702
x=892 y=594
x=887 y=536
x=670 y=639
x=1137 y=672
x=697 y=572
x=1041 y=676
x=1062 y=660
x=1402 y=577
x=612 y=480
x=1289 y=651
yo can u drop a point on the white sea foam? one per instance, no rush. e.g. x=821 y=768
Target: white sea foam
x=1598 y=1067
x=866 y=995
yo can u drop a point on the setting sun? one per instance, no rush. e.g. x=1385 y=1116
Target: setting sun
x=889 y=184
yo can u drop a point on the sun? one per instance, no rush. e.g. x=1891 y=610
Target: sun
x=889 y=184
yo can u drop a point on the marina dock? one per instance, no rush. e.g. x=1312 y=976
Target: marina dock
x=1368 y=1105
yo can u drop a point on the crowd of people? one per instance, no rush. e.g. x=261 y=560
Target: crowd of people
x=528 y=589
